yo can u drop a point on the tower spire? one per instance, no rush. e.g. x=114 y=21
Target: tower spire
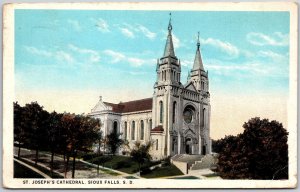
x=169 y=48
x=198 y=41
x=198 y=60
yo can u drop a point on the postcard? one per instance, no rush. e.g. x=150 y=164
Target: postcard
x=150 y=95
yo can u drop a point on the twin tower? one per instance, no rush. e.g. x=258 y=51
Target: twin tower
x=180 y=112
x=176 y=119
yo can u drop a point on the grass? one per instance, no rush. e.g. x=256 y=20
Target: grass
x=109 y=172
x=211 y=175
x=20 y=171
x=121 y=163
x=164 y=171
x=130 y=177
x=186 y=177
x=42 y=169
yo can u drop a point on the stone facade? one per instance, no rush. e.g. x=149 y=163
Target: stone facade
x=176 y=119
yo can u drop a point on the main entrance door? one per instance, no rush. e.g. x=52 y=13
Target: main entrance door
x=187 y=149
x=188 y=146
x=204 y=150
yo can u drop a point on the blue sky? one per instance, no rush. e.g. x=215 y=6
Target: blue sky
x=76 y=50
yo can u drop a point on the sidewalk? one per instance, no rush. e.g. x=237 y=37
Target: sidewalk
x=83 y=168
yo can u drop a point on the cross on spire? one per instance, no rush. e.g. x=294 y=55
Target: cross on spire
x=169 y=48
x=198 y=60
x=198 y=41
x=170 y=24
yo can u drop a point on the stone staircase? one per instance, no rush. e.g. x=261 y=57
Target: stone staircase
x=205 y=163
x=192 y=163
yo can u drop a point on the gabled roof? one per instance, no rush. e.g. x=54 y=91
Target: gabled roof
x=131 y=106
x=157 y=129
x=190 y=86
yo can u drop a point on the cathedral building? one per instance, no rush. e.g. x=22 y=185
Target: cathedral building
x=176 y=119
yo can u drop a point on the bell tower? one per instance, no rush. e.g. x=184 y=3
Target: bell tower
x=166 y=94
x=198 y=76
x=168 y=66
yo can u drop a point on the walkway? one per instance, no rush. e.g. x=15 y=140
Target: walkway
x=83 y=169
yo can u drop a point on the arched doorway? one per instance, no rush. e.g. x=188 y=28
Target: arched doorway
x=115 y=127
x=204 y=150
x=188 y=146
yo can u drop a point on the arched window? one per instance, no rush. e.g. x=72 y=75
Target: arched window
x=174 y=111
x=173 y=145
x=203 y=117
x=133 y=130
x=150 y=124
x=125 y=130
x=161 y=111
x=115 y=127
x=202 y=85
x=156 y=144
x=142 y=130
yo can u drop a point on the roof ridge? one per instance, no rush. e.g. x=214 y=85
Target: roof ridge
x=136 y=100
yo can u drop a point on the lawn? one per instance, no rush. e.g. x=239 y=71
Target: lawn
x=109 y=172
x=120 y=163
x=186 y=177
x=164 y=171
x=211 y=175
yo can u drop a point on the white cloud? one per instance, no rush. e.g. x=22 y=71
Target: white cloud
x=75 y=24
x=101 y=25
x=254 y=68
x=134 y=30
x=274 y=56
x=260 y=39
x=147 y=32
x=64 y=57
x=127 y=32
x=36 y=51
x=135 y=62
x=186 y=63
x=94 y=56
x=116 y=56
x=224 y=46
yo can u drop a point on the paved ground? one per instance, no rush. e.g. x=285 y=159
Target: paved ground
x=83 y=169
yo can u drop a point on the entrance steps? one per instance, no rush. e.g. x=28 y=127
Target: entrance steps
x=191 y=163
x=205 y=163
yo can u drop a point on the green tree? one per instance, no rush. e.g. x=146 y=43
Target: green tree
x=53 y=135
x=260 y=152
x=19 y=131
x=99 y=143
x=82 y=133
x=35 y=119
x=114 y=141
x=140 y=153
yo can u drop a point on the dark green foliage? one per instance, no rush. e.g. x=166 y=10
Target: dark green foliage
x=140 y=153
x=260 y=152
x=114 y=141
x=88 y=156
x=100 y=160
x=123 y=164
x=170 y=170
x=66 y=134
